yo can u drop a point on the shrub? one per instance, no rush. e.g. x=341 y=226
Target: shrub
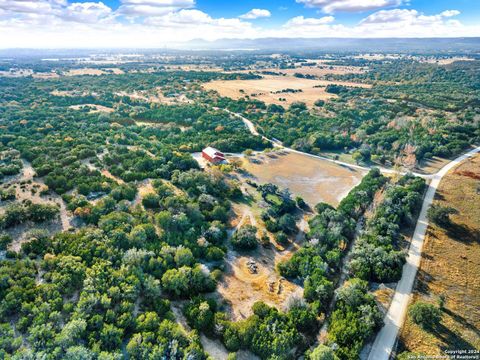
x=424 y=314
x=440 y=215
x=322 y=352
x=245 y=238
x=281 y=238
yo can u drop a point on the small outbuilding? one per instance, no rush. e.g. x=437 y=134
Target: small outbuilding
x=213 y=155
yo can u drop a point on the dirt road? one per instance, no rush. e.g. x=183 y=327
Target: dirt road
x=251 y=127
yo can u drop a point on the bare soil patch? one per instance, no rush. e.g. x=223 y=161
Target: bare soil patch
x=447 y=61
x=451 y=267
x=315 y=180
x=26 y=188
x=155 y=96
x=84 y=71
x=93 y=108
x=240 y=288
x=269 y=89
x=321 y=70
x=45 y=75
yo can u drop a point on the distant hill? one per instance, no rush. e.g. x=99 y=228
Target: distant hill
x=341 y=44
x=445 y=46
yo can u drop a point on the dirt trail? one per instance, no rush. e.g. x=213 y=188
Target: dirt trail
x=104 y=172
x=29 y=188
x=214 y=348
x=28 y=174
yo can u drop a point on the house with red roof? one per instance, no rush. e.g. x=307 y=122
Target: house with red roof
x=213 y=155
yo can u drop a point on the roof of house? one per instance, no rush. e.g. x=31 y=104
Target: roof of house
x=212 y=152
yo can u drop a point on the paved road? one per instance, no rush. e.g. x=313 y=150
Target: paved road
x=386 y=338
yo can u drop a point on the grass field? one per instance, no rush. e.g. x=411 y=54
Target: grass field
x=451 y=267
x=321 y=70
x=313 y=179
x=93 y=108
x=268 y=88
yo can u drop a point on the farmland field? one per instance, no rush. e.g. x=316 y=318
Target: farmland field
x=269 y=89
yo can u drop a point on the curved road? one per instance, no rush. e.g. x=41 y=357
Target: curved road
x=385 y=341
x=386 y=338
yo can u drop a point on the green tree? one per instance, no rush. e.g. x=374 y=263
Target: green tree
x=322 y=352
x=245 y=238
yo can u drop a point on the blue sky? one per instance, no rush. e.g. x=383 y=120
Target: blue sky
x=282 y=10
x=153 y=23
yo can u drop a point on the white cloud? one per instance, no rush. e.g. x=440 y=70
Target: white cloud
x=181 y=18
x=153 y=7
x=255 y=14
x=391 y=19
x=88 y=12
x=450 y=13
x=302 y=21
x=331 y=6
x=191 y=23
x=381 y=24
x=411 y=23
x=30 y=7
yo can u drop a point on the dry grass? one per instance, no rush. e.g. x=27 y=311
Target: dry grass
x=154 y=96
x=313 y=179
x=45 y=75
x=451 y=266
x=93 y=108
x=321 y=70
x=264 y=89
x=193 y=67
x=84 y=71
x=447 y=61
x=433 y=165
x=384 y=297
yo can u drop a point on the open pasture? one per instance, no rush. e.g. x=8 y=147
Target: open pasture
x=315 y=180
x=275 y=89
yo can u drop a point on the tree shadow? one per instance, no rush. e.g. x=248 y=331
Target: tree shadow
x=462 y=233
x=452 y=340
x=460 y=319
x=422 y=282
x=246 y=199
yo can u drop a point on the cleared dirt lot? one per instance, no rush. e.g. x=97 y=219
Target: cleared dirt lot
x=26 y=188
x=154 y=96
x=313 y=179
x=269 y=89
x=239 y=288
x=92 y=71
x=93 y=108
x=321 y=70
x=451 y=266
